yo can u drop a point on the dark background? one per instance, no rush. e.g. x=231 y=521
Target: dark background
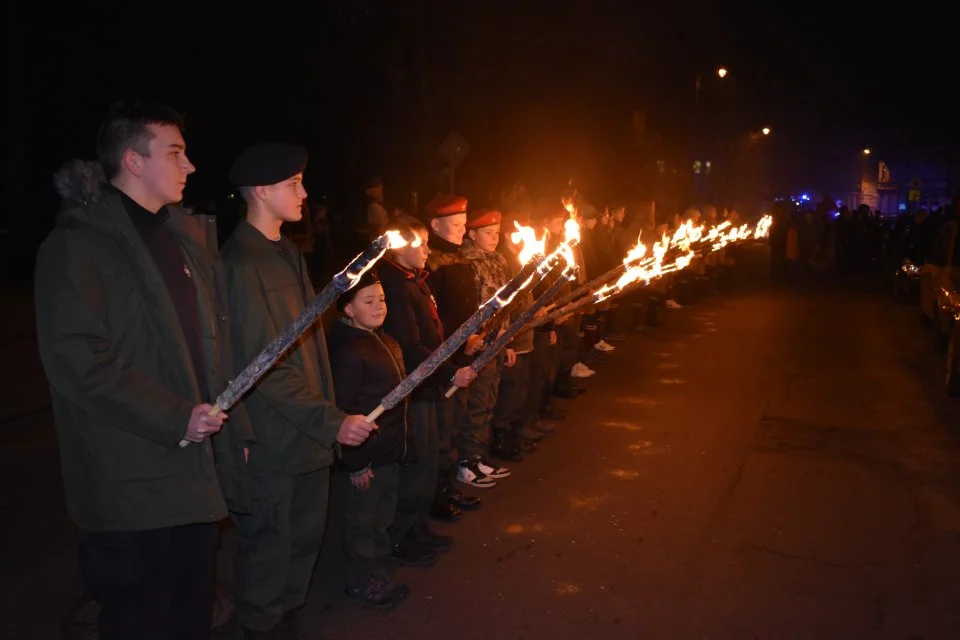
x=542 y=91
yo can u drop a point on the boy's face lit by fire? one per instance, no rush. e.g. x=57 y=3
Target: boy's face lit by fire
x=487 y=238
x=414 y=257
x=368 y=309
x=450 y=228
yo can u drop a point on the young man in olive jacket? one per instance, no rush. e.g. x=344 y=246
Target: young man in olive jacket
x=132 y=331
x=295 y=421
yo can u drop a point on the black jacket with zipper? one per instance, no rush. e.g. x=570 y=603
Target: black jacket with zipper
x=367 y=365
x=413 y=320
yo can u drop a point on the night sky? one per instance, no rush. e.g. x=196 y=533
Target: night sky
x=541 y=90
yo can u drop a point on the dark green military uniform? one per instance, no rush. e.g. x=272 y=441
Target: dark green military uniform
x=121 y=378
x=128 y=356
x=295 y=424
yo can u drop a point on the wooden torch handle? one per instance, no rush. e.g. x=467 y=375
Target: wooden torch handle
x=214 y=410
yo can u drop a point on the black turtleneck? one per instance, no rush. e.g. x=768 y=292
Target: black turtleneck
x=176 y=274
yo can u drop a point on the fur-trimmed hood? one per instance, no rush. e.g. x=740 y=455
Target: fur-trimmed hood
x=86 y=199
x=79 y=182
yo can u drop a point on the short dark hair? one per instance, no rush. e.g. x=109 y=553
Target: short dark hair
x=125 y=127
x=408 y=226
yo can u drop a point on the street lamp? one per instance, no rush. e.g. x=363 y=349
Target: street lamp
x=766 y=131
x=866 y=151
x=722 y=72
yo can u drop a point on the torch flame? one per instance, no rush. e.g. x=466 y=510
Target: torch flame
x=571 y=232
x=643 y=267
x=684 y=261
x=532 y=246
x=363 y=262
x=640 y=267
x=395 y=239
x=636 y=253
x=763 y=227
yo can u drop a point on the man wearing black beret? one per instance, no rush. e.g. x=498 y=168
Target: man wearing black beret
x=295 y=420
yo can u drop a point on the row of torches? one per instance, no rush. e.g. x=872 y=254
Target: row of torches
x=641 y=265
x=637 y=266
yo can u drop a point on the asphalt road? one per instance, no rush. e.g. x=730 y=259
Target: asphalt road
x=772 y=463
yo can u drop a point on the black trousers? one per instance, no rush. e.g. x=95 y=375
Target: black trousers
x=151 y=585
x=368 y=514
x=543 y=373
x=570 y=347
x=512 y=394
x=418 y=481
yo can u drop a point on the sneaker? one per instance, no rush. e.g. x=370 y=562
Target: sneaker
x=581 y=370
x=379 y=593
x=673 y=304
x=603 y=346
x=412 y=553
x=470 y=473
x=492 y=470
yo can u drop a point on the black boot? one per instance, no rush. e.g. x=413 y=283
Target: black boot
x=442 y=510
x=506 y=446
x=453 y=496
x=413 y=553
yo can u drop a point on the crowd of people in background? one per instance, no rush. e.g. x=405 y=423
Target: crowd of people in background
x=811 y=243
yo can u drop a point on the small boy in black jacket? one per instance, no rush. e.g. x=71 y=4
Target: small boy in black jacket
x=367 y=364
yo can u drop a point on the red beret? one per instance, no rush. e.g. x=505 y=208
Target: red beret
x=483 y=218
x=445 y=204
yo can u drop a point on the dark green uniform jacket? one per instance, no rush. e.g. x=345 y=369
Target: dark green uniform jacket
x=120 y=371
x=292 y=407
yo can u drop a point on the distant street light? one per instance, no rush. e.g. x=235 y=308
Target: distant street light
x=866 y=151
x=766 y=131
x=722 y=72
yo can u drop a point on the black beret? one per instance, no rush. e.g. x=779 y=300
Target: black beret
x=269 y=163
x=368 y=278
